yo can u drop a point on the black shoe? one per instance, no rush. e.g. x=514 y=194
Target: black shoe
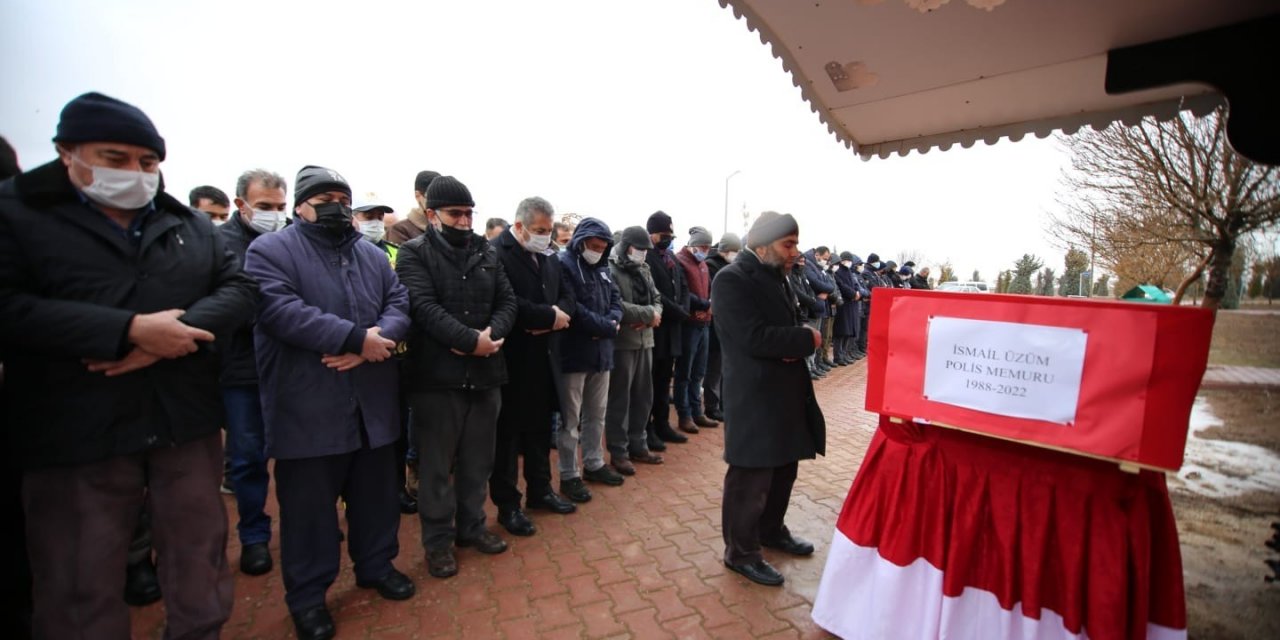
x=715 y=414
x=667 y=434
x=487 y=542
x=604 y=475
x=575 y=490
x=141 y=586
x=407 y=502
x=255 y=559
x=395 y=586
x=759 y=572
x=314 y=624
x=790 y=544
x=705 y=422
x=442 y=563
x=516 y=522
x=830 y=364
x=655 y=443
x=551 y=501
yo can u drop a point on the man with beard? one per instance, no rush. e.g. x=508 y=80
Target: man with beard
x=771 y=417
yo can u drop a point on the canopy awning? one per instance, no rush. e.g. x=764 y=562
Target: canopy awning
x=890 y=76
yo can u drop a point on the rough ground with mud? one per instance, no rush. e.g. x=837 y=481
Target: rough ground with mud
x=1225 y=499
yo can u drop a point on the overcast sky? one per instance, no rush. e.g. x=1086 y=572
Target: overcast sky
x=607 y=108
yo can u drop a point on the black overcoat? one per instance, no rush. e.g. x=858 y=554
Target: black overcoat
x=675 y=304
x=766 y=388
x=533 y=361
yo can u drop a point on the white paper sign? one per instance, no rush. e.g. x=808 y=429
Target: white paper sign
x=1006 y=368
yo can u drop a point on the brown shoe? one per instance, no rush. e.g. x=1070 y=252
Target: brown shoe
x=622 y=465
x=647 y=458
x=686 y=425
x=705 y=422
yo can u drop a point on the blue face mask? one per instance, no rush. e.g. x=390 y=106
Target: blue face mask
x=700 y=255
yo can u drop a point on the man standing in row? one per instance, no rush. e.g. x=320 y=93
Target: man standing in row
x=771 y=417
x=532 y=353
x=691 y=366
x=416 y=223
x=722 y=255
x=331 y=314
x=631 y=381
x=674 y=291
x=463 y=308
x=260 y=209
x=114 y=289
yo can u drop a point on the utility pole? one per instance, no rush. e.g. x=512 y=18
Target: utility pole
x=725 y=228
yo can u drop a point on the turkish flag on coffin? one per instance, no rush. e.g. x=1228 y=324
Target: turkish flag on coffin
x=946 y=534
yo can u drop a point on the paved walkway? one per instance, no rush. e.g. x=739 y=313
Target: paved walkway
x=639 y=561
x=1224 y=377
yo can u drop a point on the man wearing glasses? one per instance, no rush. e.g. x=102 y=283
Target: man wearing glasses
x=463 y=307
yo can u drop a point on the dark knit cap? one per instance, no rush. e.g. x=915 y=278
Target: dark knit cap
x=771 y=226
x=846 y=255
x=93 y=117
x=729 y=242
x=856 y=260
x=448 y=191
x=659 y=222
x=873 y=258
x=423 y=181
x=905 y=271
x=637 y=237
x=313 y=180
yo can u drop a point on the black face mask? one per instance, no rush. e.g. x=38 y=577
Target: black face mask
x=454 y=236
x=334 y=217
x=663 y=244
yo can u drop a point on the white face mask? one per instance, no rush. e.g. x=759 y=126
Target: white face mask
x=730 y=256
x=266 y=221
x=847 y=263
x=120 y=188
x=637 y=255
x=591 y=257
x=218 y=222
x=373 y=230
x=537 y=243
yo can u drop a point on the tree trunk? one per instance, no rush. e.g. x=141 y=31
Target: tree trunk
x=1190 y=280
x=1219 y=271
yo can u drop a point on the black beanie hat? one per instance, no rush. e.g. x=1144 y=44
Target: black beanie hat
x=93 y=117
x=448 y=191
x=637 y=237
x=846 y=255
x=423 y=181
x=872 y=258
x=659 y=222
x=312 y=180
x=770 y=227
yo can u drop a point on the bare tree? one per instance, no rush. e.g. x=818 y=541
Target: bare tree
x=1165 y=197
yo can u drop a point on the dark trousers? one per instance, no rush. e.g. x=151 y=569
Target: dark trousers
x=711 y=383
x=862 y=332
x=79 y=523
x=247 y=448
x=663 y=368
x=755 y=503
x=535 y=447
x=455 y=457
x=402 y=443
x=310 y=549
x=627 y=411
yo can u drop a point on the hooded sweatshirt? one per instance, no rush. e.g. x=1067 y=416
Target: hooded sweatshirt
x=587 y=345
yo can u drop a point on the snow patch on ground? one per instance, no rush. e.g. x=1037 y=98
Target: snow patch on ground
x=1221 y=469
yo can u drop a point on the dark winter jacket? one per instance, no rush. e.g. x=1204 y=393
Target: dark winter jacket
x=699 y=280
x=454 y=293
x=671 y=284
x=71 y=281
x=847 y=315
x=808 y=306
x=715 y=262
x=919 y=282
x=640 y=300
x=533 y=360
x=320 y=293
x=239 y=367
x=819 y=279
x=588 y=343
x=766 y=385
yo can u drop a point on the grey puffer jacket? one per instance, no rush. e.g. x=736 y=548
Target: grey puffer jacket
x=640 y=300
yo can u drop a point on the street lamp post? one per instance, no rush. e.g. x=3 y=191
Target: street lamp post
x=726 y=199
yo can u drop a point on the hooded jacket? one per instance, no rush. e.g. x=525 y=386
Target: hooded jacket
x=70 y=284
x=641 y=301
x=587 y=345
x=320 y=293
